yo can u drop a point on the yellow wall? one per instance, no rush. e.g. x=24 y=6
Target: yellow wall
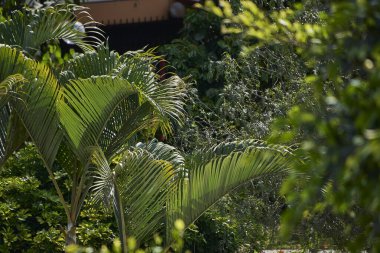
x=129 y=11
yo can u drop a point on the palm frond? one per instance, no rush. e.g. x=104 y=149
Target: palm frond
x=85 y=107
x=106 y=191
x=152 y=189
x=160 y=102
x=147 y=181
x=104 y=186
x=103 y=61
x=124 y=124
x=211 y=179
x=226 y=148
x=67 y=160
x=162 y=151
x=9 y=88
x=167 y=96
x=12 y=133
x=156 y=104
x=143 y=184
x=91 y=63
x=34 y=104
x=29 y=29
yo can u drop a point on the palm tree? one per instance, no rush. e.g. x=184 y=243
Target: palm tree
x=86 y=117
x=107 y=101
x=96 y=105
x=152 y=185
x=30 y=89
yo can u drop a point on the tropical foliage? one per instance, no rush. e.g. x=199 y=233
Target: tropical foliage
x=92 y=110
x=341 y=138
x=154 y=178
x=246 y=94
x=64 y=120
x=309 y=66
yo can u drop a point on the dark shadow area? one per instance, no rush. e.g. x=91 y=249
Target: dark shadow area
x=135 y=36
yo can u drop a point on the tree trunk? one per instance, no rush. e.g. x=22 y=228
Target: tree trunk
x=119 y=214
x=71 y=237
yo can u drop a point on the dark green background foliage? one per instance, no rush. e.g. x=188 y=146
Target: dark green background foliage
x=30 y=214
x=250 y=91
x=239 y=97
x=234 y=95
x=199 y=49
x=344 y=155
x=341 y=138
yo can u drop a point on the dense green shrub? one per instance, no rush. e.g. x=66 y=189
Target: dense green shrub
x=30 y=214
x=31 y=217
x=199 y=50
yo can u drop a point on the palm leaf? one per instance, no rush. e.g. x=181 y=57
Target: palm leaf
x=91 y=63
x=228 y=166
x=29 y=29
x=33 y=107
x=138 y=68
x=85 y=107
x=106 y=62
x=12 y=133
x=160 y=103
x=162 y=151
x=155 y=104
x=149 y=182
x=226 y=148
x=122 y=128
x=9 y=88
x=143 y=184
x=106 y=191
x=167 y=96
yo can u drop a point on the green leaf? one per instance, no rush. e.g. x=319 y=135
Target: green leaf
x=29 y=29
